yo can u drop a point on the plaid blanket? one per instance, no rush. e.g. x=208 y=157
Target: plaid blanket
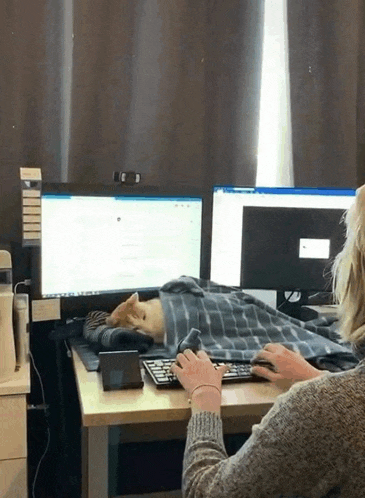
x=230 y=324
x=227 y=323
x=104 y=338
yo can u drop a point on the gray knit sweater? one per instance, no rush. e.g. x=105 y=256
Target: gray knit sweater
x=310 y=444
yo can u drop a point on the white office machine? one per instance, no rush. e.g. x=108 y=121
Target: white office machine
x=14 y=337
x=7 y=344
x=21 y=328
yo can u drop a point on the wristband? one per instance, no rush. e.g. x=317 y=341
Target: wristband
x=203 y=385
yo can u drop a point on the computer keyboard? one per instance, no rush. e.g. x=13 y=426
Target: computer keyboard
x=159 y=370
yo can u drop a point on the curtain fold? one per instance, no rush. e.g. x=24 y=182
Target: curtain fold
x=327 y=79
x=30 y=89
x=171 y=90
x=167 y=89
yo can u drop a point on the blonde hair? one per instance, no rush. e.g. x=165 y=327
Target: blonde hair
x=348 y=274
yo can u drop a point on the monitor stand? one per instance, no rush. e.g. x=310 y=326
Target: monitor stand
x=295 y=309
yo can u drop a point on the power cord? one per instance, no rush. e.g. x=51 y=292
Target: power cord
x=44 y=406
x=287 y=300
x=26 y=282
x=69 y=354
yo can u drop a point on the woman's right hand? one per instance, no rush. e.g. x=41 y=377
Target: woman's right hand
x=286 y=365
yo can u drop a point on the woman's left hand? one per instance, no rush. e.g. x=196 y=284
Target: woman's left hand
x=200 y=379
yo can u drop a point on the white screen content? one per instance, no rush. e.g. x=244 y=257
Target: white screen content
x=93 y=245
x=228 y=205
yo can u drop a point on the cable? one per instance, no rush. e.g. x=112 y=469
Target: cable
x=286 y=300
x=26 y=282
x=48 y=428
x=69 y=354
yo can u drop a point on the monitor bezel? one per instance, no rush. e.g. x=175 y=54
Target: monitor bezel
x=79 y=306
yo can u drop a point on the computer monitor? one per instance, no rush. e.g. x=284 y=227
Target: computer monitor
x=290 y=248
x=276 y=238
x=99 y=244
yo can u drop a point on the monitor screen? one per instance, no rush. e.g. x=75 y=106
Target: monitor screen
x=116 y=241
x=272 y=226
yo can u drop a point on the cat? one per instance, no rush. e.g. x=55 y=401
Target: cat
x=142 y=316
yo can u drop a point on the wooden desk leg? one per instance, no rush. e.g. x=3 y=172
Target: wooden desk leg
x=95 y=456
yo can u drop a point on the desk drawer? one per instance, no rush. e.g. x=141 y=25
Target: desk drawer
x=13 y=478
x=13 y=427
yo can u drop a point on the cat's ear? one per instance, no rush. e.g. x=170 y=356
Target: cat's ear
x=121 y=307
x=134 y=298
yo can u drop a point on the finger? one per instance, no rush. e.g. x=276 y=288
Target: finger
x=288 y=347
x=189 y=354
x=273 y=347
x=222 y=369
x=266 y=373
x=263 y=355
x=182 y=359
x=289 y=352
x=175 y=369
x=202 y=355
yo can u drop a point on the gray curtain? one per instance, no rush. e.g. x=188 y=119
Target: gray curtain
x=30 y=112
x=327 y=84
x=167 y=89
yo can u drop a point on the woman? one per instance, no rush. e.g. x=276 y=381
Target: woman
x=312 y=441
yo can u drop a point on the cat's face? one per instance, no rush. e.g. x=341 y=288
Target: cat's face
x=146 y=317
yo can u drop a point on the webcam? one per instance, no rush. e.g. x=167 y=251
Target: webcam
x=127 y=177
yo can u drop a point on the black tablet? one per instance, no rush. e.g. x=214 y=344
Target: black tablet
x=120 y=370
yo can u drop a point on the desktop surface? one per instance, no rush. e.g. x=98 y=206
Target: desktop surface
x=149 y=404
x=151 y=414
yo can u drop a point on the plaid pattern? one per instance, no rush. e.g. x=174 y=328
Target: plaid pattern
x=232 y=325
x=103 y=337
x=225 y=322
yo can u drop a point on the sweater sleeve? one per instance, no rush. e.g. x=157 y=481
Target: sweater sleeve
x=290 y=453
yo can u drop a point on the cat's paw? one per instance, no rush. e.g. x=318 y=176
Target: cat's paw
x=111 y=321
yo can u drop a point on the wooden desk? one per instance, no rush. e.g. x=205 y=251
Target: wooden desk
x=151 y=414
x=13 y=434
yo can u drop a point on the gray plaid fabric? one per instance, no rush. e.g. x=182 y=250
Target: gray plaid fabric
x=234 y=325
x=97 y=333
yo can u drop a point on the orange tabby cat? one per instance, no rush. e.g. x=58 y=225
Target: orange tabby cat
x=146 y=317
